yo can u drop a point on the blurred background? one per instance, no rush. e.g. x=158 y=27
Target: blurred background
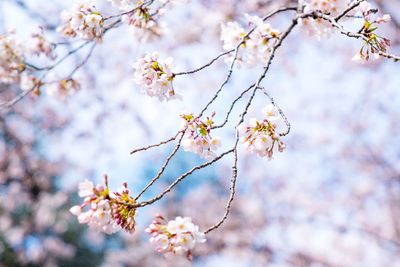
x=332 y=199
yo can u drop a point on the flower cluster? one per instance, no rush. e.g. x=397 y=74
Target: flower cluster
x=105 y=212
x=83 y=20
x=11 y=58
x=331 y=7
x=373 y=42
x=30 y=82
x=122 y=214
x=40 y=45
x=317 y=26
x=13 y=66
x=154 y=76
x=197 y=136
x=261 y=137
x=258 y=44
x=144 y=23
x=177 y=236
x=64 y=88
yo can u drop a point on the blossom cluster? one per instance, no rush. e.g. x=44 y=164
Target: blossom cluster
x=110 y=212
x=11 y=58
x=40 y=45
x=103 y=211
x=83 y=20
x=177 y=236
x=13 y=54
x=319 y=27
x=143 y=23
x=121 y=213
x=257 y=45
x=261 y=137
x=331 y=7
x=64 y=88
x=155 y=76
x=29 y=82
x=373 y=42
x=197 y=137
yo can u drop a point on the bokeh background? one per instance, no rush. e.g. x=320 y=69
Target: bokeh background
x=332 y=199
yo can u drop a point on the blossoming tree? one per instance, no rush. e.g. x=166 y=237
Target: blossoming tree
x=37 y=69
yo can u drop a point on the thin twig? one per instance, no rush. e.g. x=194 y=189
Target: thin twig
x=84 y=61
x=236 y=51
x=256 y=87
x=206 y=65
x=155 y=145
x=232 y=106
x=178 y=180
x=161 y=171
x=232 y=188
x=281 y=113
x=130 y=11
x=347 y=10
x=355 y=35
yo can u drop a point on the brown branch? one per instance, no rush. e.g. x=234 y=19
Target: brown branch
x=356 y=35
x=155 y=145
x=144 y=4
x=256 y=87
x=236 y=51
x=232 y=188
x=161 y=171
x=281 y=113
x=347 y=10
x=178 y=180
x=204 y=66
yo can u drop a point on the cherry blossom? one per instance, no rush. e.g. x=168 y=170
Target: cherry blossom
x=177 y=236
x=98 y=216
x=40 y=45
x=124 y=216
x=105 y=212
x=231 y=35
x=374 y=44
x=317 y=26
x=255 y=42
x=64 y=88
x=11 y=58
x=155 y=76
x=29 y=82
x=197 y=137
x=261 y=137
x=256 y=47
x=83 y=20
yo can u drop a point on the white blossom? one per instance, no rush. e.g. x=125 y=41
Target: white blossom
x=177 y=236
x=83 y=20
x=98 y=214
x=319 y=27
x=11 y=58
x=256 y=47
x=28 y=82
x=385 y=18
x=197 y=136
x=155 y=76
x=76 y=210
x=86 y=188
x=40 y=45
x=260 y=136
